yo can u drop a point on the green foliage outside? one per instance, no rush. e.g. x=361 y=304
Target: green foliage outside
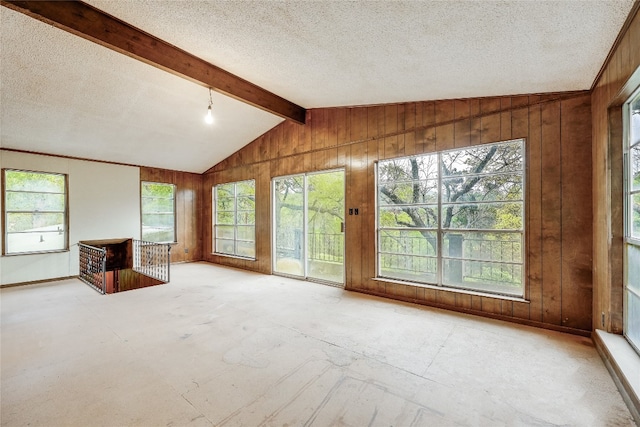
x=34 y=201
x=480 y=190
x=235 y=218
x=158 y=212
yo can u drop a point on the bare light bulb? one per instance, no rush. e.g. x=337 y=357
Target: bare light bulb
x=209 y=117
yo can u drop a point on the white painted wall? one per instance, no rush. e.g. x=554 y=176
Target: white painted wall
x=104 y=203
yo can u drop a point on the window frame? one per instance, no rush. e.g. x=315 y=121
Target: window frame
x=629 y=240
x=441 y=232
x=142 y=212
x=235 y=224
x=5 y=212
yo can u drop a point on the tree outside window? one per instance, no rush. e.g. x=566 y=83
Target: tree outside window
x=158 y=212
x=454 y=218
x=35 y=212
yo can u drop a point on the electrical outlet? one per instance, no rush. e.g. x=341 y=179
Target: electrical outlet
x=603 y=319
x=186 y=250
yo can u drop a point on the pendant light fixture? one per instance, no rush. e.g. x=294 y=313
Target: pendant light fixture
x=208 y=119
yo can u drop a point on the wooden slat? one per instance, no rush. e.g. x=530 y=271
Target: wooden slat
x=391 y=146
x=576 y=213
x=505 y=119
x=318 y=128
x=489 y=105
x=490 y=128
x=534 y=214
x=92 y=24
x=444 y=134
x=263 y=217
x=551 y=214
x=462 y=126
x=369 y=259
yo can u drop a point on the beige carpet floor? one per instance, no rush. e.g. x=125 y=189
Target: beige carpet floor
x=219 y=346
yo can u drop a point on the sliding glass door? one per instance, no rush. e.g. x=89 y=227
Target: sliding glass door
x=308 y=220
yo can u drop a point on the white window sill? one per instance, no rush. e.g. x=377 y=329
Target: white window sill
x=624 y=365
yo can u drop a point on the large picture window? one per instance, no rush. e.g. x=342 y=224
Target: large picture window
x=158 y=212
x=35 y=212
x=454 y=218
x=632 y=220
x=235 y=219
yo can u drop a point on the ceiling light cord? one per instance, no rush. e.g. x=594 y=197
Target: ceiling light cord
x=208 y=118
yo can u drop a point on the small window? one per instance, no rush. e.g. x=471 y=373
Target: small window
x=158 y=212
x=234 y=219
x=454 y=218
x=35 y=212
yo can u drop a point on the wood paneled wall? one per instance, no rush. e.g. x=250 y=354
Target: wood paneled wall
x=188 y=210
x=607 y=96
x=557 y=128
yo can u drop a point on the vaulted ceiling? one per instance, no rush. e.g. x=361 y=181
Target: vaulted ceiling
x=62 y=94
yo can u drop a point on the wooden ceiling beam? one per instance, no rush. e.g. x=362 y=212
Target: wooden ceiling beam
x=93 y=24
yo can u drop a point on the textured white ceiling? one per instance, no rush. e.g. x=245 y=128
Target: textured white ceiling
x=332 y=53
x=64 y=95
x=60 y=94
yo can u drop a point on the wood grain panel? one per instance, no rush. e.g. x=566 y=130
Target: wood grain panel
x=364 y=135
x=607 y=258
x=576 y=213
x=551 y=214
x=534 y=214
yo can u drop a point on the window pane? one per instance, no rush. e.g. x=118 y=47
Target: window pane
x=413 y=268
x=635 y=215
x=633 y=267
x=482 y=189
x=157 y=190
x=39 y=221
x=246 y=217
x=34 y=181
x=246 y=233
x=156 y=234
x=409 y=192
x=411 y=242
x=485 y=276
x=157 y=205
x=408 y=216
x=225 y=246
x=158 y=220
x=223 y=217
x=633 y=319
x=225 y=232
x=408 y=169
x=225 y=204
x=246 y=188
x=246 y=203
x=158 y=212
x=246 y=249
x=634 y=166
x=34 y=201
x=35 y=211
x=235 y=218
x=490 y=216
x=35 y=241
x=487 y=246
x=225 y=191
x=496 y=158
